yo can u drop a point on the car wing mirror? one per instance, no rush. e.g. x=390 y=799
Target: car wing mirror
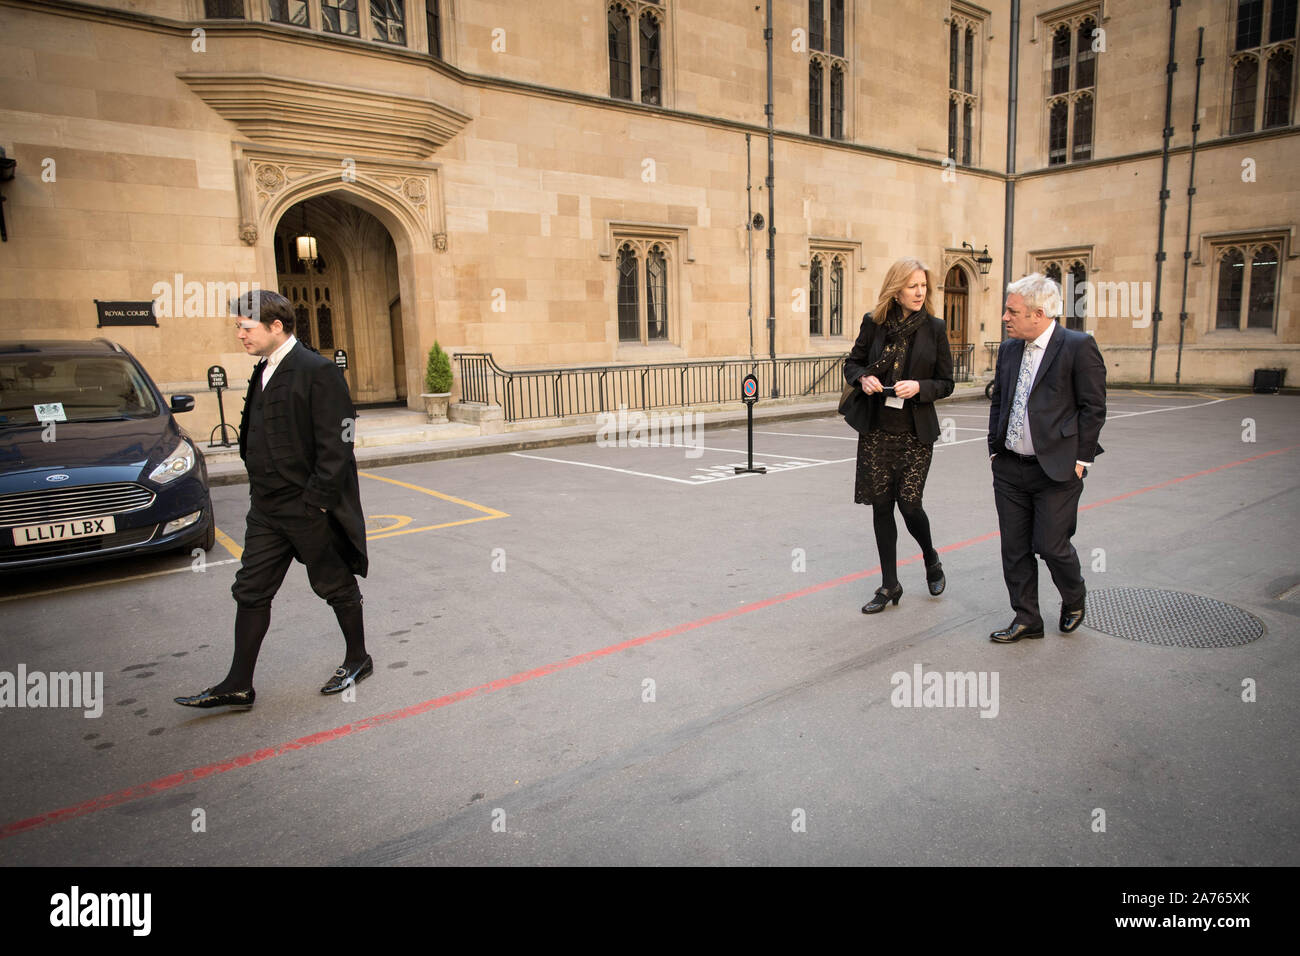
x=182 y=403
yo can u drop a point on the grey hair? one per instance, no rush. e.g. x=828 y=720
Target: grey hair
x=1039 y=292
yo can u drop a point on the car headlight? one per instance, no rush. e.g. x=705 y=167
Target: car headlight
x=174 y=465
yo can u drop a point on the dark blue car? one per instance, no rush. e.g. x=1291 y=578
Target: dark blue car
x=92 y=462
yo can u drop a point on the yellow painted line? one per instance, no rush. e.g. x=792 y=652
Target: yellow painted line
x=437 y=494
x=229 y=544
x=401 y=521
x=434 y=527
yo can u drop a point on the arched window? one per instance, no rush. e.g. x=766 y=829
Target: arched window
x=650 y=66
x=815 y=297
x=656 y=283
x=967 y=124
x=815 y=98
x=837 y=296
x=1263 y=288
x=1059 y=119
x=970 y=61
x=620 y=53
x=1245 y=76
x=1082 y=128
x=1277 y=90
x=952 y=129
x=1061 y=60
x=629 y=308
x=953 y=57
x=1085 y=70
x=1075 y=304
x=1232 y=269
x=837 y=102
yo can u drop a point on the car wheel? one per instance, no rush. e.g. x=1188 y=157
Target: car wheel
x=210 y=536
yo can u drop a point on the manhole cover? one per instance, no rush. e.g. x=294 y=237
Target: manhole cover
x=1170 y=618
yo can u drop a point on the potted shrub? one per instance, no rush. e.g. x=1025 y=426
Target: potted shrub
x=437 y=384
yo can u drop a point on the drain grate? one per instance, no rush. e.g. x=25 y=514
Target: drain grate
x=1170 y=618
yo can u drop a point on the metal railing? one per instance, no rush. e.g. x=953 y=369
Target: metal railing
x=525 y=394
x=961 y=362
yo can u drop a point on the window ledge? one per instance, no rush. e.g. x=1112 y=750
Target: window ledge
x=637 y=353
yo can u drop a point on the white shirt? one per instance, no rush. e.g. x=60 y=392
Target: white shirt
x=1026 y=444
x=275 y=358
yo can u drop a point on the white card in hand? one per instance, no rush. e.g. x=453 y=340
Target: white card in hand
x=893 y=401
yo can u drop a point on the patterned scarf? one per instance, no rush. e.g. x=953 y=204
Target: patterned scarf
x=898 y=336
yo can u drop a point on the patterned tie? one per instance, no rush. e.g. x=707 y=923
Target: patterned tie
x=1016 y=426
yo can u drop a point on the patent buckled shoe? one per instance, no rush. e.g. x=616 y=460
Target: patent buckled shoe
x=206 y=698
x=1071 y=618
x=347 y=674
x=882 y=598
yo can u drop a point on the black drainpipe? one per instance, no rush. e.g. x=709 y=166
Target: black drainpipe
x=1009 y=215
x=1170 y=69
x=1191 y=191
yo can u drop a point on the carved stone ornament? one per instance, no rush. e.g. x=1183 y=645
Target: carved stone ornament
x=248 y=233
x=440 y=241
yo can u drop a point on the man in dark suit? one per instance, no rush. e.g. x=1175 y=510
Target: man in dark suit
x=1049 y=404
x=295 y=439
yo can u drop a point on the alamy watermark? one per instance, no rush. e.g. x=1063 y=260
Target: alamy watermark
x=946 y=689
x=56 y=689
x=624 y=429
x=1117 y=300
x=199 y=300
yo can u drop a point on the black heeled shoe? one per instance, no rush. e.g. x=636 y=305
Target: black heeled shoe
x=206 y=698
x=882 y=598
x=934 y=578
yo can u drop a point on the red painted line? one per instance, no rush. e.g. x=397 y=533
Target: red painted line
x=312 y=740
x=1195 y=474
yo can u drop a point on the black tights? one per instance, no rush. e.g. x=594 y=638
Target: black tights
x=918 y=525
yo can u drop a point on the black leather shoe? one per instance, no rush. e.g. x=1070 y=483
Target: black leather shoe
x=1071 y=618
x=1014 y=633
x=935 y=579
x=348 y=674
x=234 y=698
x=882 y=598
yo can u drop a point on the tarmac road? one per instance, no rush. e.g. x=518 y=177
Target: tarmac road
x=630 y=655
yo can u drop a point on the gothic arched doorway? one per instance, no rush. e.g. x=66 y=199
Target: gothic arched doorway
x=344 y=299
x=956 y=299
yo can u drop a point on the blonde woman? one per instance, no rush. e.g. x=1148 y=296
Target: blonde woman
x=903 y=364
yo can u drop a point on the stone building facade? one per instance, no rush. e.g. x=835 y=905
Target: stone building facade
x=570 y=183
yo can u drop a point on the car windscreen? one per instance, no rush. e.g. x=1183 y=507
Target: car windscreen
x=42 y=388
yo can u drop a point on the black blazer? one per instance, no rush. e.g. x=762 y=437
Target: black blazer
x=929 y=363
x=1067 y=403
x=307 y=411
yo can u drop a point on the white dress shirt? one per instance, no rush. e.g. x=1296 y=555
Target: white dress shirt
x=275 y=358
x=1026 y=444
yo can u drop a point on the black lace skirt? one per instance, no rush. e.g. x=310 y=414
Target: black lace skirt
x=892 y=466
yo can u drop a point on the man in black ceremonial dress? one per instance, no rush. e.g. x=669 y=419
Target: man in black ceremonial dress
x=295 y=440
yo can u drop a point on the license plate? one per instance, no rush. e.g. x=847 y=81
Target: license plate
x=63 y=530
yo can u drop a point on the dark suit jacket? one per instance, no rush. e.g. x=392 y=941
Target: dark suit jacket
x=929 y=363
x=1067 y=403
x=306 y=409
